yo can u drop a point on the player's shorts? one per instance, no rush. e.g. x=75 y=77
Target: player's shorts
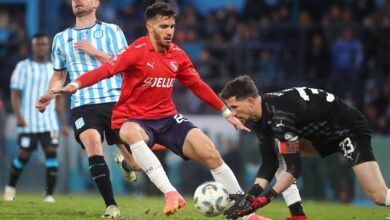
x=96 y=116
x=29 y=141
x=354 y=145
x=170 y=132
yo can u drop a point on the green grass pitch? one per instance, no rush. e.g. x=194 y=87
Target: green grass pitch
x=136 y=207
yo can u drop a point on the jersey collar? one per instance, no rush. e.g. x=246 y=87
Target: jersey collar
x=151 y=48
x=79 y=29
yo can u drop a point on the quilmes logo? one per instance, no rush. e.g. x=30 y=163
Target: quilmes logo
x=159 y=82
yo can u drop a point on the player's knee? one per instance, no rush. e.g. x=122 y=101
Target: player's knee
x=24 y=154
x=50 y=150
x=92 y=144
x=212 y=159
x=130 y=132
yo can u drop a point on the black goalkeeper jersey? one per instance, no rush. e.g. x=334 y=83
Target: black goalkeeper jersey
x=308 y=113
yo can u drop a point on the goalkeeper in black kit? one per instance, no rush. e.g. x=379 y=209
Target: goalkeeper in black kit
x=295 y=114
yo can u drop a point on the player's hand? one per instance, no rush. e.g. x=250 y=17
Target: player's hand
x=70 y=89
x=43 y=102
x=244 y=205
x=20 y=122
x=65 y=131
x=86 y=47
x=237 y=123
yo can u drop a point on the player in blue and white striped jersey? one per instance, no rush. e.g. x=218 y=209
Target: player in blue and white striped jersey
x=76 y=51
x=28 y=83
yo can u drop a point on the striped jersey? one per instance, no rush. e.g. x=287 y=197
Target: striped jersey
x=32 y=79
x=107 y=38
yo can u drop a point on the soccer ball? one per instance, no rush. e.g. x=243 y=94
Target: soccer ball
x=211 y=198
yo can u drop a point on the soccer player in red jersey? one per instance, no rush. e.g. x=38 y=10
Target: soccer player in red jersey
x=145 y=113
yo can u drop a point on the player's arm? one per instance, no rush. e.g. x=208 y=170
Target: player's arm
x=207 y=95
x=15 y=101
x=189 y=77
x=56 y=81
x=88 y=48
x=17 y=84
x=290 y=153
x=60 y=108
x=269 y=163
x=250 y=202
x=115 y=65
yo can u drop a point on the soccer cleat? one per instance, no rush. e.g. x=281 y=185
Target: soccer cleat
x=130 y=176
x=297 y=217
x=173 y=202
x=112 y=211
x=254 y=216
x=9 y=193
x=49 y=199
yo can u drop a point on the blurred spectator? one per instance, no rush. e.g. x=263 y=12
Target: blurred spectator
x=270 y=71
x=347 y=62
x=106 y=11
x=317 y=60
x=207 y=66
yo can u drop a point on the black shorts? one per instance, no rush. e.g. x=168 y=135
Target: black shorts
x=96 y=116
x=170 y=132
x=354 y=145
x=29 y=141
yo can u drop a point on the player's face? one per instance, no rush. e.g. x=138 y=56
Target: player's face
x=40 y=46
x=84 y=7
x=241 y=109
x=162 y=29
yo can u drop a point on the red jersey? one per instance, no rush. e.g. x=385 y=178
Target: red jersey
x=147 y=81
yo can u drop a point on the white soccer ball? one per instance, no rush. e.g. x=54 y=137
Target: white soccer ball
x=211 y=198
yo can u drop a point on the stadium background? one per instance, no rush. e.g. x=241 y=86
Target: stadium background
x=342 y=46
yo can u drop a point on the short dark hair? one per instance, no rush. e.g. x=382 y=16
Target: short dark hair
x=241 y=87
x=159 y=8
x=39 y=35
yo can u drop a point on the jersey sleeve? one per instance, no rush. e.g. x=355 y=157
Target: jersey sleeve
x=269 y=157
x=284 y=126
x=57 y=55
x=117 y=39
x=18 y=77
x=117 y=64
x=187 y=74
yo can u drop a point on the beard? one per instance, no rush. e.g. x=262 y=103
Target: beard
x=80 y=12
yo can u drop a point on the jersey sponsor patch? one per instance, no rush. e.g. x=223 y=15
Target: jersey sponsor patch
x=79 y=123
x=25 y=142
x=289 y=147
x=159 y=82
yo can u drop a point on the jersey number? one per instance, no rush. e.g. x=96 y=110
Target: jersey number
x=347 y=147
x=179 y=118
x=305 y=96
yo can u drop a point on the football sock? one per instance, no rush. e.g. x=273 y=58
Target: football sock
x=296 y=209
x=101 y=176
x=224 y=175
x=51 y=172
x=291 y=195
x=387 y=202
x=17 y=167
x=150 y=164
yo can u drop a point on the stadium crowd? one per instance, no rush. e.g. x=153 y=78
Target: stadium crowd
x=342 y=46
x=279 y=43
